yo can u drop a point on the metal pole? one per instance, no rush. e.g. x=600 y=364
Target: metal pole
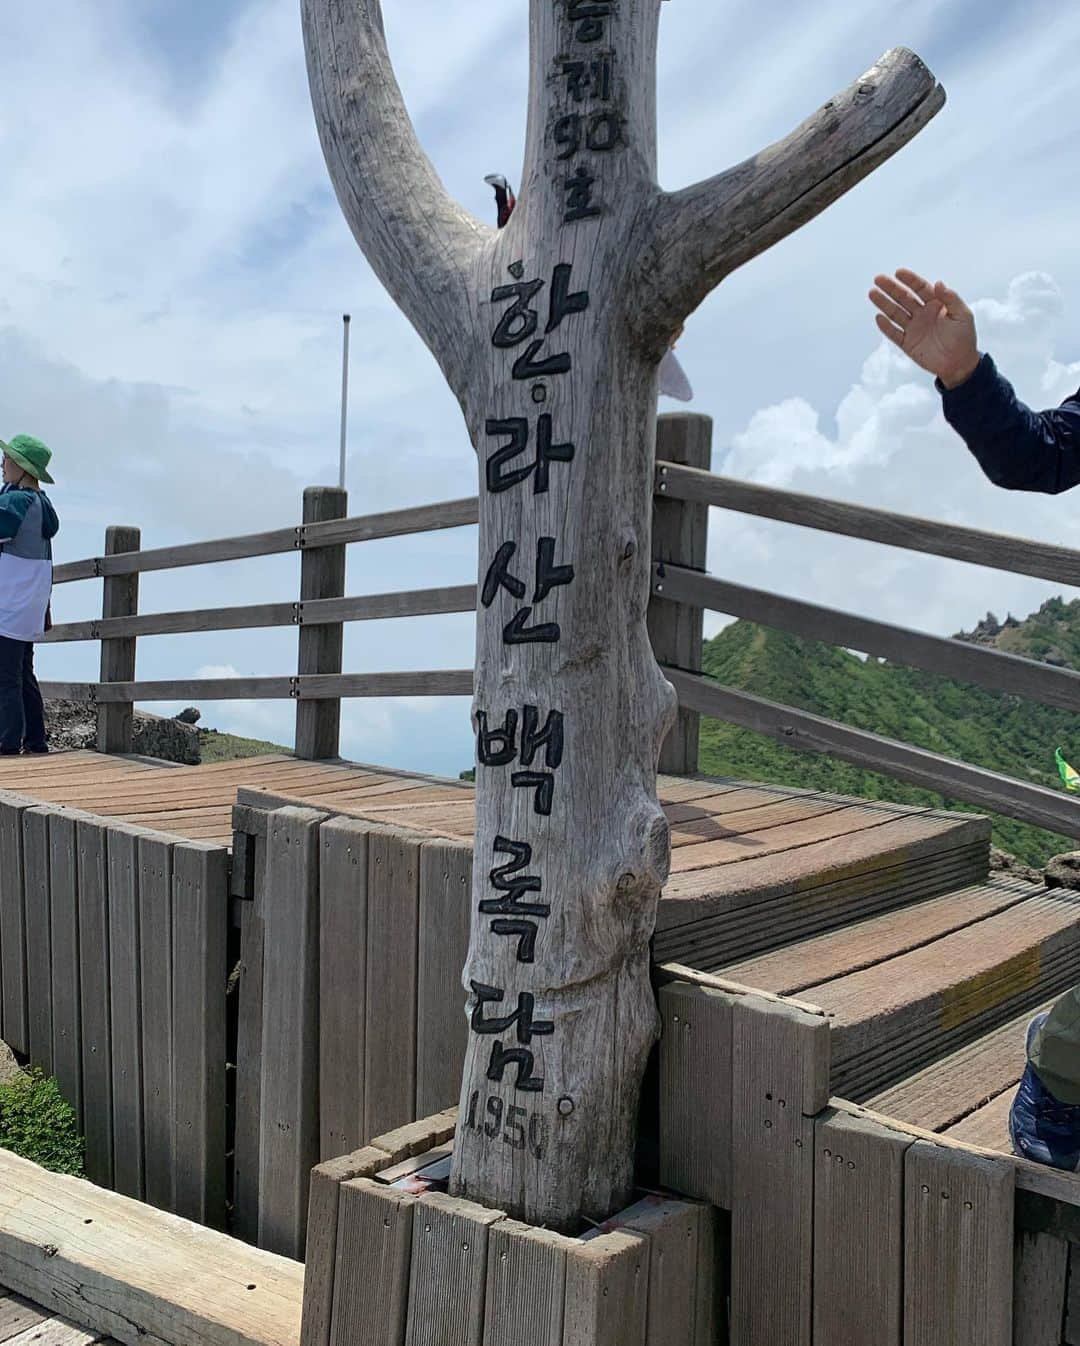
x=344 y=398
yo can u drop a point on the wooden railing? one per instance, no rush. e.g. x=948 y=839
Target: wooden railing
x=681 y=593
x=319 y=614
x=319 y=684
x=987 y=667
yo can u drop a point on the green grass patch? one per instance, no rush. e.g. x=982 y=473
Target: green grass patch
x=217 y=747
x=38 y=1123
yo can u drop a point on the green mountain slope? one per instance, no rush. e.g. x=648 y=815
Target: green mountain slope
x=958 y=720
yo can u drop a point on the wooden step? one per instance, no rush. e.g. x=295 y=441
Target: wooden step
x=942 y=1094
x=891 y=1018
x=752 y=901
x=792 y=968
x=987 y=1126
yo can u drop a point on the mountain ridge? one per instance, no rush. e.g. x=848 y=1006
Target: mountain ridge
x=990 y=729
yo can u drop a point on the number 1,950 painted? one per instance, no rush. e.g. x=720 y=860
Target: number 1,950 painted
x=514 y=1125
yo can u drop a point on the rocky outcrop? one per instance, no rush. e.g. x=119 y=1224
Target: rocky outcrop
x=988 y=630
x=1001 y=862
x=170 y=740
x=72 y=725
x=1063 y=871
x=9 y=1067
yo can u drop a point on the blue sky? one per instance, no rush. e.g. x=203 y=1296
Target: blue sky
x=176 y=268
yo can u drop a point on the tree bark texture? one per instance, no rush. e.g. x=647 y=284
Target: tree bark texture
x=549 y=333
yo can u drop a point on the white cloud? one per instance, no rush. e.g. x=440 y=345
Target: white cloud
x=893 y=449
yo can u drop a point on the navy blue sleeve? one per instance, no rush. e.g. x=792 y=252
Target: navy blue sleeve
x=13 y=507
x=1017 y=448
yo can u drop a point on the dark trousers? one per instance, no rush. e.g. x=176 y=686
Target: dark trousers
x=22 y=716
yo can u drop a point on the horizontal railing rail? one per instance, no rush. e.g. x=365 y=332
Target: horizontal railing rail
x=1051 y=809
x=302 y=687
x=1021 y=556
x=944 y=655
x=304 y=537
x=314 y=612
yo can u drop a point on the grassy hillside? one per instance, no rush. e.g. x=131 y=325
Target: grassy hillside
x=219 y=747
x=959 y=720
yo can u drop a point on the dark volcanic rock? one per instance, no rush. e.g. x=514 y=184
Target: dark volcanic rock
x=1001 y=862
x=1063 y=871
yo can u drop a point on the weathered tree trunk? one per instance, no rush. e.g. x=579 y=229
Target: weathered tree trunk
x=550 y=333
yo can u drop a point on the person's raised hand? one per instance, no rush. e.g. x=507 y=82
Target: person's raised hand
x=930 y=323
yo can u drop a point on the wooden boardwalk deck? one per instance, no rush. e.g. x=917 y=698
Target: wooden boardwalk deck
x=733 y=844
x=881 y=915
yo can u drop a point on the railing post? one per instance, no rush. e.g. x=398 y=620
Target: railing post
x=322 y=575
x=680 y=536
x=115 y=719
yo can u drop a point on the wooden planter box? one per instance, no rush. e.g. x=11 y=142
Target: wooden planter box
x=391 y=1267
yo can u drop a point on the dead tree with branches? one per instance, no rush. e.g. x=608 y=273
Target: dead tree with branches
x=549 y=332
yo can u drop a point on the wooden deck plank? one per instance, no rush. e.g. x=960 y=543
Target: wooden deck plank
x=18 y=1315
x=793 y=837
x=343 y=875
x=699 y=895
x=781 y=1072
x=445 y=915
x=14 y=1018
x=64 y=937
x=371 y=1280
x=863 y=944
x=1040 y=1275
x=674 y=1229
x=941 y=1094
x=155 y=865
x=987 y=1126
x=449 y=1266
x=39 y=1024
x=858 y=1231
x=125 y=1009
x=695 y=1091
x=393 y=904
x=685 y=789
x=249 y=1052
x=685 y=806
x=752 y=820
x=34 y=782
x=959 y=1216
x=289 y=1148
x=737 y=930
x=163 y=787
x=55 y=1332
x=526 y=1285
x=200 y=970
x=1009 y=946
x=95 y=1000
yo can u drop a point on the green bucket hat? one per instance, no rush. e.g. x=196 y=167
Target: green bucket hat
x=31 y=455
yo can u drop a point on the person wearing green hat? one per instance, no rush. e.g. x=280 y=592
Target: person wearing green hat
x=28 y=523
